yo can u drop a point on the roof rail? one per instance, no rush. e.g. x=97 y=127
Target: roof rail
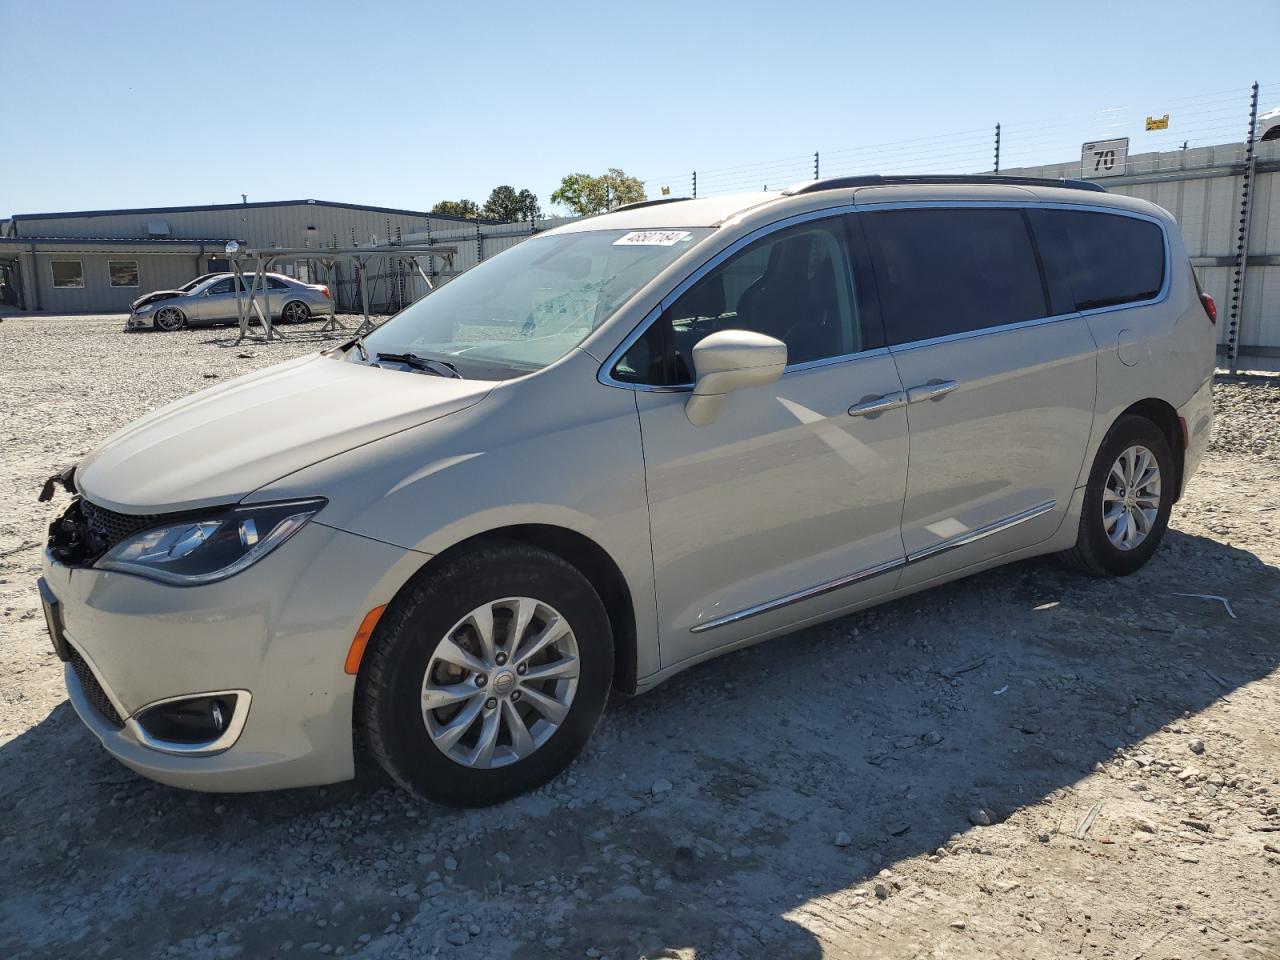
x=876 y=180
x=648 y=203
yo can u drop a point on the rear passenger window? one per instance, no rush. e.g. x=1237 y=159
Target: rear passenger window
x=942 y=271
x=1099 y=259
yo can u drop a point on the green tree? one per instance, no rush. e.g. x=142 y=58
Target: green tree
x=585 y=194
x=458 y=208
x=505 y=203
x=530 y=209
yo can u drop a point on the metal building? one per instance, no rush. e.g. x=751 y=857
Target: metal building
x=98 y=261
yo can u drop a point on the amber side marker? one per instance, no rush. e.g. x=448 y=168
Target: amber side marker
x=361 y=640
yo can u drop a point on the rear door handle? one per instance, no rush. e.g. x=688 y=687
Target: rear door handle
x=873 y=405
x=933 y=390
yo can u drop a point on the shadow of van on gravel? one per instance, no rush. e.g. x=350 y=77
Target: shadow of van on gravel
x=703 y=816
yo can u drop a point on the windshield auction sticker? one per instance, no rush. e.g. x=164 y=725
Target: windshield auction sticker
x=652 y=238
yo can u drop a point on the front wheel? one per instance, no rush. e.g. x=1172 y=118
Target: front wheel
x=1127 y=502
x=169 y=319
x=485 y=678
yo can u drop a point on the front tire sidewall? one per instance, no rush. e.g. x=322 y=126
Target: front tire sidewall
x=174 y=328
x=1102 y=553
x=407 y=636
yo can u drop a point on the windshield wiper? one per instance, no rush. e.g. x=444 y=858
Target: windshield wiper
x=441 y=368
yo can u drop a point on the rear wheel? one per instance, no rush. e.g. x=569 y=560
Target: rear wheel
x=295 y=311
x=1127 y=502
x=169 y=319
x=485 y=678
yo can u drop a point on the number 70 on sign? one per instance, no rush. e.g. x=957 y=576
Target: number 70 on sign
x=1104 y=158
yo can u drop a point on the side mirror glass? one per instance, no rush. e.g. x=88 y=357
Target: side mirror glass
x=730 y=360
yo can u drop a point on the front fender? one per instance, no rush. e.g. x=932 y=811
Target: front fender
x=555 y=448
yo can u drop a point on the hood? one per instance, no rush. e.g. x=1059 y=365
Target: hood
x=216 y=446
x=156 y=295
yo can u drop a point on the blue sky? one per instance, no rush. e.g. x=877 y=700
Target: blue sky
x=403 y=104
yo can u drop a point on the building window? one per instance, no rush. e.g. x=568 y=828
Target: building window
x=124 y=273
x=67 y=273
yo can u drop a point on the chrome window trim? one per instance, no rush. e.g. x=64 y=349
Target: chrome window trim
x=605 y=374
x=964 y=539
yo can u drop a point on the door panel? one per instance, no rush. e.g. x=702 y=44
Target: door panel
x=785 y=492
x=1004 y=446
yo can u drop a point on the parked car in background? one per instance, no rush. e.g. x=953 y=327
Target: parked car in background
x=211 y=299
x=618 y=449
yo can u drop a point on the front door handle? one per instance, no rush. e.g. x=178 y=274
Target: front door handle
x=933 y=390
x=870 y=406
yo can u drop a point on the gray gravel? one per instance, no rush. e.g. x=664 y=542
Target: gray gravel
x=813 y=796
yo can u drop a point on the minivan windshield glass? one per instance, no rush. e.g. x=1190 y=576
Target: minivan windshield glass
x=531 y=304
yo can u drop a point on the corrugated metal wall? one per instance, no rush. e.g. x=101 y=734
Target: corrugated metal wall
x=1201 y=188
x=97 y=295
x=258 y=226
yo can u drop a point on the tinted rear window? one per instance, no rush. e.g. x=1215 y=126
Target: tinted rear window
x=942 y=271
x=1099 y=259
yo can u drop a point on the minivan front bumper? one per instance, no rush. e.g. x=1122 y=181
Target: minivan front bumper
x=274 y=637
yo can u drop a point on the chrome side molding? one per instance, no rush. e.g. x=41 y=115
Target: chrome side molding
x=809 y=593
x=999 y=526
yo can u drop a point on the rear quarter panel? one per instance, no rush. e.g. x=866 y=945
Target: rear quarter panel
x=1163 y=350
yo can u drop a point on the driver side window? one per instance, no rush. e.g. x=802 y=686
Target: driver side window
x=793 y=285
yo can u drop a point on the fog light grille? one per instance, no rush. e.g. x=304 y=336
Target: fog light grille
x=93 y=691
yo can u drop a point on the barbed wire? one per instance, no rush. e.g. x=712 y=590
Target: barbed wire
x=1196 y=120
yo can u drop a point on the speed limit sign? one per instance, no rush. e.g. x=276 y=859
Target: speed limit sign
x=1104 y=158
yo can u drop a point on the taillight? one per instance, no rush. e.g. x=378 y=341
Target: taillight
x=325 y=291
x=1207 y=301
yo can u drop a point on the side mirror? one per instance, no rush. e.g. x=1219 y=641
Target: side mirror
x=730 y=360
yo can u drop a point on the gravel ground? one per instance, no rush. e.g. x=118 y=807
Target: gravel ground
x=1028 y=763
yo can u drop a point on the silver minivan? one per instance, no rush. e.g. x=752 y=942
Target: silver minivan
x=615 y=450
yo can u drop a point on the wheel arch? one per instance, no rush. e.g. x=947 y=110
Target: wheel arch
x=592 y=561
x=1163 y=415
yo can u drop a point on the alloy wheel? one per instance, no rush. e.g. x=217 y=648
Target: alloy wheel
x=295 y=312
x=500 y=682
x=1131 y=498
x=169 y=320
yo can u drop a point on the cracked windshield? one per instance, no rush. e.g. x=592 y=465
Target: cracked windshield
x=532 y=304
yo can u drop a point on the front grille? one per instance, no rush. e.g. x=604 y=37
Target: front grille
x=108 y=527
x=93 y=691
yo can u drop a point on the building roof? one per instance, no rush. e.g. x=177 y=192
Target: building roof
x=110 y=245
x=199 y=208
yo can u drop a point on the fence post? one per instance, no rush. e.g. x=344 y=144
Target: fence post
x=1242 y=239
x=695 y=184
x=479 y=243
x=815 y=165
x=997 y=170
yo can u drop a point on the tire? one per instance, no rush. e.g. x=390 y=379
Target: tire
x=1096 y=551
x=295 y=311
x=417 y=642
x=169 y=319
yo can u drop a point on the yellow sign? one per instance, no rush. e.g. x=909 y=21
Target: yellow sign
x=1158 y=123
x=666 y=191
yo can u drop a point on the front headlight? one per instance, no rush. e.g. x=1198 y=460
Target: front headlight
x=213 y=547
x=146 y=308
